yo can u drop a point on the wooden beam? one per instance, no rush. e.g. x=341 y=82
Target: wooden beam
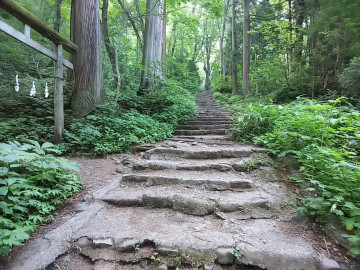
x=35 y=23
x=58 y=96
x=31 y=43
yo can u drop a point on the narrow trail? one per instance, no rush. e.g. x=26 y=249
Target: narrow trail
x=195 y=201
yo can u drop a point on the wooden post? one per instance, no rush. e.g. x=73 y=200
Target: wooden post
x=58 y=96
x=27 y=30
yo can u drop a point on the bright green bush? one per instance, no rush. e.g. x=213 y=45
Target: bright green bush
x=32 y=184
x=325 y=138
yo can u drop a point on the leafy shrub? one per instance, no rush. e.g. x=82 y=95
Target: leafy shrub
x=325 y=138
x=32 y=184
x=350 y=78
x=104 y=134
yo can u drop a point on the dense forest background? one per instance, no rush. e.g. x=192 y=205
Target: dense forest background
x=289 y=71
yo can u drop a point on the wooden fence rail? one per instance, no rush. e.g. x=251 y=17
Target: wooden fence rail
x=31 y=21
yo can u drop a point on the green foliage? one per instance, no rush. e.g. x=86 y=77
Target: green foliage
x=32 y=184
x=350 y=78
x=325 y=139
x=104 y=134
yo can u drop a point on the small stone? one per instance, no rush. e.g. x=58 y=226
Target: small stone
x=126 y=162
x=118 y=162
x=83 y=242
x=128 y=246
x=194 y=143
x=167 y=251
x=80 y=207
x=143 y=264
x=102 y=242
x=208 y=267
x=163 y=267
x=119 y=170
x=328 y=264
x=225 y=256
x=264 y=241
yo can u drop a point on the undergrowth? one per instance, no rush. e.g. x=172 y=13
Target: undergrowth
x=112 y=128
x=32 y=184
x=324 y=137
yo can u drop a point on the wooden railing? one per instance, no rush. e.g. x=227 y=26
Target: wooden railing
x=31 y=21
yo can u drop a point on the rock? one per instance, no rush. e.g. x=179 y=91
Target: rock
x=193 y=206
x=143 y=264
x=268 y=174
x=83 y=242
x=222 y=167
x=80 y=207
x=157 y=200
x=163 y=267
x=208 y=267
x=166 y=251
x=194 y=143
x=328 y=264
x=126 y=162
x=102 y=242
x=225 y=256
x=128 y=246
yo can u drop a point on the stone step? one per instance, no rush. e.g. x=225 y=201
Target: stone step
x=202 y=122
x=202 y=152
x=192 y=179
x=243 y=205
x=129 y=235
x=210 y=118
x=222 y=165
x=201 y=132
x=204 y=127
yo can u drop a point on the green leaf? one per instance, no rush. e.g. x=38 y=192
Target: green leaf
x=4 y=191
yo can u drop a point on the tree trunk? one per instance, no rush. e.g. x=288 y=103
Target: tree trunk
x=164 y=40
x=57 y=20
x=152 y=53
x=105 y=34
x=246 y=48
x=300 y=16
x=88 y=87
x=222 y=35
x=291 y=47
x=234 y=51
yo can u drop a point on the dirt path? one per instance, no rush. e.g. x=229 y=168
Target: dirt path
x=197 y=200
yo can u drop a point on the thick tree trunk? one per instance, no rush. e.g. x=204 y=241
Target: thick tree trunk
x=105 y=34
x=246 y=48
x=152 y=53
x=88 y=89
x=222 y=35
x=234 y=51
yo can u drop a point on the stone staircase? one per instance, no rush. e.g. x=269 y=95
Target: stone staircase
x=195 y=201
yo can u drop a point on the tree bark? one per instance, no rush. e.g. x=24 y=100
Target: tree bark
x=152 y=52
x=291 y=47
x=105 y=34
x=88 y=89
x=234 y=51
x=222 y=35
x=57 y=20
x=246 y=48
x=300 y=16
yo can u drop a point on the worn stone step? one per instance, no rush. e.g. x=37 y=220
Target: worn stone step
x=202 y=122
x=210 y=118
x=201 y=132
x=192 y=179
x=244 y=205
x=204 y=127
x=222 y=165
x=202 y=152
x=265 y=243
